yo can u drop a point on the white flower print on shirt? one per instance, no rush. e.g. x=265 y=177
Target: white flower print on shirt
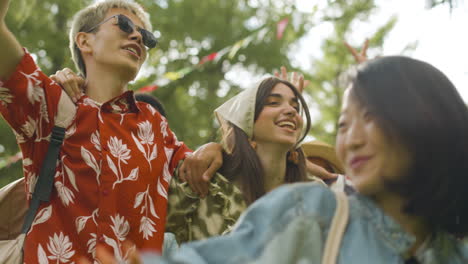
x=119 y=258
x=118 y=149
x=5 y=96
x=30 y=176
x=19 y=137
x=161 y=189
x=95 y=139
x=176 y=141
x=80 y=221
x=146 y=137
x=64 y=193
x=92 y=245
x=120 y=226
x=70 y=131
x=29 y=127
x=70 y=174
x=147 y=227
x=43 y=107
x=27 y=162
x=167 y=175
x=152 y=110
x=90 y=102
x=145 y=132
x=42 y=216
x=164 y=127
x=90 y=160
x=31 y=180
x=41 y=255
x=60 y=248
x=35 y=93
x=122 y=153
x=147 y=207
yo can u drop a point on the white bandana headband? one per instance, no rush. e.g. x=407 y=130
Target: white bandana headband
x=240 y=110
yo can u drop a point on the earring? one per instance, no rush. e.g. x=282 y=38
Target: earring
x=253 y=144
x=293 y=156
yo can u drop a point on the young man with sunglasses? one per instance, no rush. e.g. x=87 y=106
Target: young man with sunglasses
x=115 y=164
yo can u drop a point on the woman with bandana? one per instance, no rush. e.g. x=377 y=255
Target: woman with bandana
x=261 y=130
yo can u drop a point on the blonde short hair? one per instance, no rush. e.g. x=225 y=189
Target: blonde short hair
x=92 y=15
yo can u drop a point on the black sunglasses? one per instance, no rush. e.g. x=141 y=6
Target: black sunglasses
x=127 y=26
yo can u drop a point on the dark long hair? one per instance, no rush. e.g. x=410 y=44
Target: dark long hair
x=241 y=162
x=417 y=105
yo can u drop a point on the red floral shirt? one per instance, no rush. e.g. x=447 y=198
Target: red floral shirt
x=112 y=174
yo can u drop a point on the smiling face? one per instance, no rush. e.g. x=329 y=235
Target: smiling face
x=113 y=48
x=279 y=121
x=368 y=154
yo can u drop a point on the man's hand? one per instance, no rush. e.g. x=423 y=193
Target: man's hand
x=318 y=171
x=71 y=83
x=360 y=57
x=296 y=79
x=199 y=167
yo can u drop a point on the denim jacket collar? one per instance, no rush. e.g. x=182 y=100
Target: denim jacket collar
x=440 y=246
x=390 y=231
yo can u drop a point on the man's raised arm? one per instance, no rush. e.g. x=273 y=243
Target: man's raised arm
x=11 y=51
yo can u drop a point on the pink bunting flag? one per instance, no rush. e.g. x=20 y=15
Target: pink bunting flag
x=148 y=88
x=207 y=58
x=280 y=27
x=6 y=162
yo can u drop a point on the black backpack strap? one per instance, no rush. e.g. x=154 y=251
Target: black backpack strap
x=45 y=182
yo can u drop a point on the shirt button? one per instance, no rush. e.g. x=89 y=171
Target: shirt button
x=101 y=239
x=105 y=192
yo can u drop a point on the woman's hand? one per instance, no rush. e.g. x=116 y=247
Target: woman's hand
x=360 y=57
x=296 y=78
x=318 y=171
x=71 y=83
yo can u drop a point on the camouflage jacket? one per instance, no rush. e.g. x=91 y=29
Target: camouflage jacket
x=191 y=218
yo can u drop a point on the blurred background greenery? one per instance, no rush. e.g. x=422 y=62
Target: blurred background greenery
x=190 y=30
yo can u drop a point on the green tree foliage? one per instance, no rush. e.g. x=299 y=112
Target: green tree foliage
x=193 y=29
x=190 y=30
x=328 y=74
x=433 y=3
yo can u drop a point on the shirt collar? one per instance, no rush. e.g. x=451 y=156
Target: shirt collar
x=124 y=103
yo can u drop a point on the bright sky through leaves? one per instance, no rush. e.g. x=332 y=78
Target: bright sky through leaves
x=440 y=35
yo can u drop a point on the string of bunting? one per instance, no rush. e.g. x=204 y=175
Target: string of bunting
x=230 y=50
x=8 y=161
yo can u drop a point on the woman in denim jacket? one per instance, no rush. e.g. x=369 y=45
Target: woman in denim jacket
x=403 y=139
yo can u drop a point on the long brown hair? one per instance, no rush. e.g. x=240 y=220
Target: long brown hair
x=240 y=161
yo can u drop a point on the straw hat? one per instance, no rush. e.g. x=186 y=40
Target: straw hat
x=322 y=150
